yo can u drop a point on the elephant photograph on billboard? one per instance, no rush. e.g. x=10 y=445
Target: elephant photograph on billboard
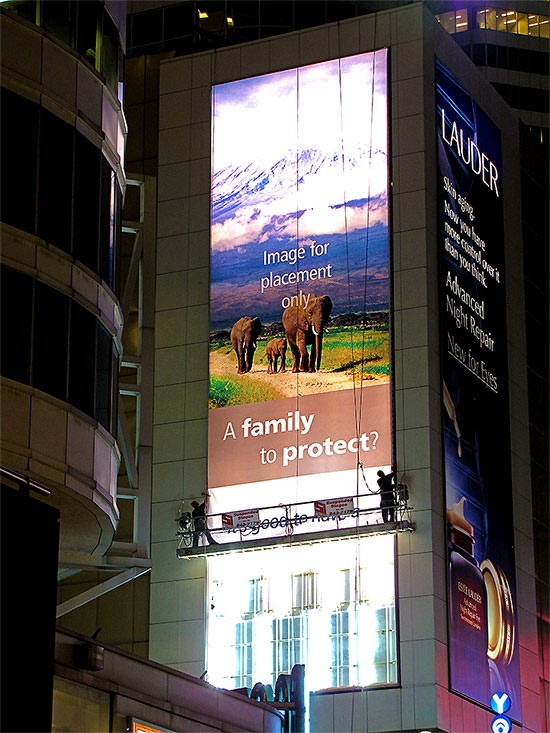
x=299 y=282
x=299 y=231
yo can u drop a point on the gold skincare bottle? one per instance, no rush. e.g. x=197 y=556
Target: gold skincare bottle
x=467 y=608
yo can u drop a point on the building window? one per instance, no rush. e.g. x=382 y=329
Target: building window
x=55 y=180
x=330 y=606
x=244 y=640
x=103 y=377
x=289 y=643
x=385 y=656
x=108 y=222
x=340 y=649
x=487 y=18
x=304 y=591
x=86 y=206
x=19 y=151
x=86 y=27
x=511 y=21
x=71 y=199
x=50 y=340
x=537 y=25
x=82 y=356
x=454 y=21
x=16 y=320
x=53 y=343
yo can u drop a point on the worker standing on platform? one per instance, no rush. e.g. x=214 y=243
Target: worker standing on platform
x=200 y=526
x=387 y=495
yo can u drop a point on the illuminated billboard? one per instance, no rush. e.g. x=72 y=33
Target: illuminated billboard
x=299 y=418
x=483 y=643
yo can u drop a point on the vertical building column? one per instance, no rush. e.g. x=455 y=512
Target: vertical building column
x=178 y=620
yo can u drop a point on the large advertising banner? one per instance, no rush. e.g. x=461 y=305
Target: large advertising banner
x=299 y=301
x=483 y=644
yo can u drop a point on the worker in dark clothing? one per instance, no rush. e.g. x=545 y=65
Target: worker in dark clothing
x=199 y=524
x=387 y=495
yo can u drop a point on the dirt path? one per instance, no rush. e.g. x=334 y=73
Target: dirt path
x=308 y=383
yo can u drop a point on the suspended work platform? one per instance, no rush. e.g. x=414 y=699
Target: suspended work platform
x=222 y=533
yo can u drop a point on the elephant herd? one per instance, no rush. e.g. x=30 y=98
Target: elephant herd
x=303 y=328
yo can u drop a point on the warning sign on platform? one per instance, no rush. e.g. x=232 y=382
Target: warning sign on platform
x=245 y=518
x=334 y=506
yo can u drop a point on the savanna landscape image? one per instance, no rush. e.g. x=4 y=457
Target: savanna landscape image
x=355 y=353
x=299 y=235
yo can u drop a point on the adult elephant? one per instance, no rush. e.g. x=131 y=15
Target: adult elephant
x=276 y=348
x=304 y=327
x=244 y=335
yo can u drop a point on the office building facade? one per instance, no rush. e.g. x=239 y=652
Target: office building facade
x=367 y=608
x=415 y=684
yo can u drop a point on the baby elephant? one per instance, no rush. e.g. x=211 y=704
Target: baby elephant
x=275 y=348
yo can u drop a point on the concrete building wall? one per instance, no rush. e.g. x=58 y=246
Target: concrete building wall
x=104 y=688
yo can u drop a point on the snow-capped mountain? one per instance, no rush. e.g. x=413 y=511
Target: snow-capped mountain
x=253 y=184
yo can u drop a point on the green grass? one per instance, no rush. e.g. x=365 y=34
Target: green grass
x=356 y=351
x=229 y=391
x=347 y=349
x=363 y=353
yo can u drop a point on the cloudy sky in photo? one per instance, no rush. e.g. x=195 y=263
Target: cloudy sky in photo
x=291 y=148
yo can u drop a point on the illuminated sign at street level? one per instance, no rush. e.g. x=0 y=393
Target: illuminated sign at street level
x=501 y=724
x=501 y=703
x=288 y=697
x=138 y=726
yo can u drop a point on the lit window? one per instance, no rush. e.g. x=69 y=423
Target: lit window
x=481 y=18
x=330 y=606
x=340 y=649
x=447 y=20
x=487 y=18
x=304 y=591
x=289 y=643
x=522 y=24
x=244 y=639
x=455 y=21
x=502 y=17
x=511 y=22
x=461 y=21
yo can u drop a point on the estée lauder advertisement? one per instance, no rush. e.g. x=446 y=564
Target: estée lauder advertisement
x=299 y=299
x=483 y=644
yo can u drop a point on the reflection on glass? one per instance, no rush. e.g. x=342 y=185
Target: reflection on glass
x=522 y=25
x=455 y=21
x=461 y=20
x=27 y=9
x=533 y=25
x=86 y=27
x=511 y=22
x=447 y=20
x=501 y=20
